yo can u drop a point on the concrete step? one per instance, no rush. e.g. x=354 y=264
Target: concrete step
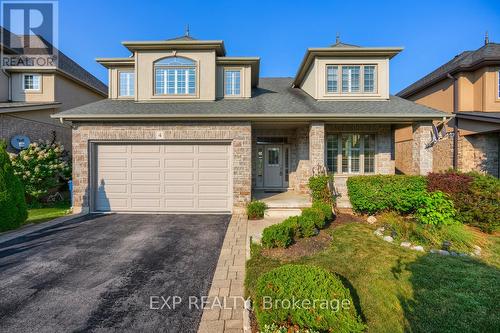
x=279 y=212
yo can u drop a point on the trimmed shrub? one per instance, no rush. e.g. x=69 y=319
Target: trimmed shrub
x=451 y=183
x=436 y=210
x=256 y=209
x=324 y=303
x=13 y=210
x=319 y=189
x=374 y=194
x=326 y=208
x=293 y=222
x=314 y=214
x=277 y=235
x=307 y=227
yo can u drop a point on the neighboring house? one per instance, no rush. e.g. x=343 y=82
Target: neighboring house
x=187 y=128
x=29 y=95
x=469 y=87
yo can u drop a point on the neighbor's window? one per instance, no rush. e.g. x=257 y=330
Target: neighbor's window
x=369 y=79
x=175 y=76
x=32 y=82
x=127 y=84
x=332 y=79
x=354 y=152
x=350 y=79
x=232 y=82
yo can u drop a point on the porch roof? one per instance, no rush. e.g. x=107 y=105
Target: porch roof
x=274 y=98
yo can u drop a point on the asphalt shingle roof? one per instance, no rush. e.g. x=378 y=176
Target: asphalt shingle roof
x=464 y=60
x=273 y=97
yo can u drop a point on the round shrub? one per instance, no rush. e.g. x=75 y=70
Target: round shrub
x=325 y=208
x=316 y=215
x=277 y=235
x=256 y=209
x=307 y=227
x=306 y=296
x=294 y=223
x=13 y=210
x=436 y=209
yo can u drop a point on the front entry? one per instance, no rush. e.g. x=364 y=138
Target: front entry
x=273 y=166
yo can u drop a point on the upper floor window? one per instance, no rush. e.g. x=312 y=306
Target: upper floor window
x=175 y=76
x=232 y=82
x=354 y=79
x=127 y=84
x=32 y=82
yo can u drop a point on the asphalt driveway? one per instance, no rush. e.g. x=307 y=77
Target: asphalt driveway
x=102 y=274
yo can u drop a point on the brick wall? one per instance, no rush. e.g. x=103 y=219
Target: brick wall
x=35 y=130
x=479 y=152
x=239 y=133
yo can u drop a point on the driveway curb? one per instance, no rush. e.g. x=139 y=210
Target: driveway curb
x=10 y=235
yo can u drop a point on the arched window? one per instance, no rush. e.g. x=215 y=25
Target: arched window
x=175 y=76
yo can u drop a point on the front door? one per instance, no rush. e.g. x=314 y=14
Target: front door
x=273 y=166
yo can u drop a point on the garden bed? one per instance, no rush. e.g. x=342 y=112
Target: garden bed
x=396 y=289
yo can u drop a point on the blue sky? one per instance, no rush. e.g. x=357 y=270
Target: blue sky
x=432 y=32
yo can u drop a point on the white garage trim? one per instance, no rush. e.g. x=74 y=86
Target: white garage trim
x=174 y=176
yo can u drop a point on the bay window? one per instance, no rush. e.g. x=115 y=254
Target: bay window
x=175 y=76
x=350 y=153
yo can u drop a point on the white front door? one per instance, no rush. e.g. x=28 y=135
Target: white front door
x=273 y=166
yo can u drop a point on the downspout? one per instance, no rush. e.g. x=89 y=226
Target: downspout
x=9 y=84
x=455 y=121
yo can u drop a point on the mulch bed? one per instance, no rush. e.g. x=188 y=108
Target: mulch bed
x=312 y=245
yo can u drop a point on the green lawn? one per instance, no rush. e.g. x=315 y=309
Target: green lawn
x=399 y=290
x=49 y=212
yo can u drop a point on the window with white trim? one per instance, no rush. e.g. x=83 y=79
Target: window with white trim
x=232 y=84
x=351 y=78
x=351 y=153
x=332 y=79
x=175 y=76
x=32 y=82
x=127 y=84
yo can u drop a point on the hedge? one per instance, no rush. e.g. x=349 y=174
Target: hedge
x=282 y=286
x=374 y=194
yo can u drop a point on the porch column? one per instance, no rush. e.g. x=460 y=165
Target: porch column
x=317 y=144
x=421 y=154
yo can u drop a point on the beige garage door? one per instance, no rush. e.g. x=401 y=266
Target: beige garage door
x=163 y=177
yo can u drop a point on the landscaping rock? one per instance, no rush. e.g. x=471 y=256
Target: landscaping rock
x=388 y=239
x=418 y=248
x=463 y=254
x=433 y=251
x=477 y=250
x=405 y=244
x=371 y=219
x=454 y=253
x=379 y=232
x=443 y=252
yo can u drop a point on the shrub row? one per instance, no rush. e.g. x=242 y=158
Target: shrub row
x=306 y=225
x=279 y=288
x=373 y=194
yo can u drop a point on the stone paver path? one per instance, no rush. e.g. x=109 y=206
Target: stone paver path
x=225 y=309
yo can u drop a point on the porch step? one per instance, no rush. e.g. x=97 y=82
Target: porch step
x=282 y=212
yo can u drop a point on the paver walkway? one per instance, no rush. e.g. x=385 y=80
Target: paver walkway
x=225 y=309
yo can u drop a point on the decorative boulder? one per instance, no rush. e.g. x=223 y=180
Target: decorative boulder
x=418 y=248
x=388 y=239
x=371 y=219
x=405 y=244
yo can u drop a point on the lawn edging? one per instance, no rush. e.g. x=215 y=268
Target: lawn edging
x=34 y=227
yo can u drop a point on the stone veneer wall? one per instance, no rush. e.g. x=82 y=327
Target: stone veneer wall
x=35 y=130
x=479 y=152
x=413 y=157
x=238 y=132
x=442 y=155
x=404 y=158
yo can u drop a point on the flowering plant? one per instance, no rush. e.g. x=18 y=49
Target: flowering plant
x=41 y=167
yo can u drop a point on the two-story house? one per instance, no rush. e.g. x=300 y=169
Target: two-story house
x=30 y=94
x=187 y=128
x=467 y=86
